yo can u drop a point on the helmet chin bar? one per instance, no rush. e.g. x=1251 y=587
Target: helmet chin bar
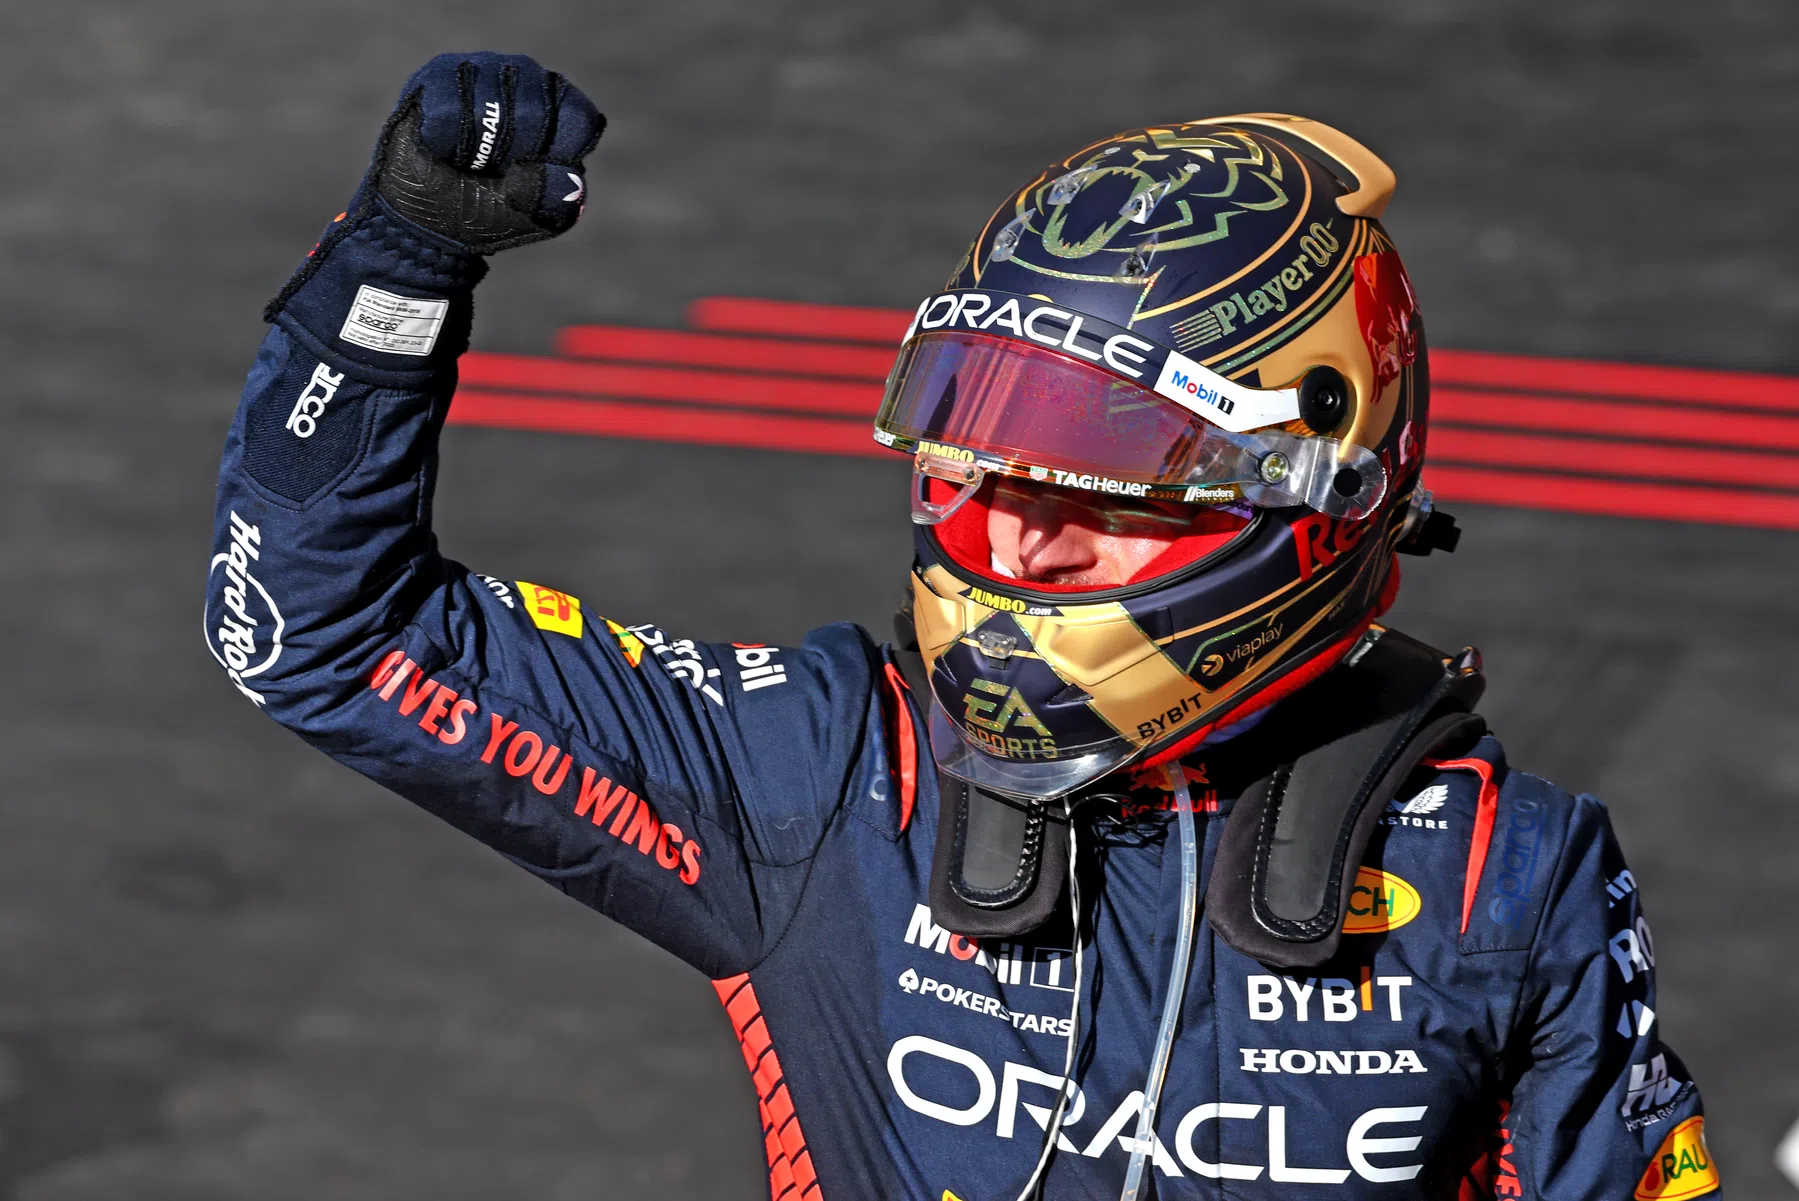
x=1020 y=780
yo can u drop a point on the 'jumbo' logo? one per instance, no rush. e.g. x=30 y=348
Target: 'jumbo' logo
x=946 y=452
x=1380 y=901
x=992 y=600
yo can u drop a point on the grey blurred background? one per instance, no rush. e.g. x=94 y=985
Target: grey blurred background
x=230 y=969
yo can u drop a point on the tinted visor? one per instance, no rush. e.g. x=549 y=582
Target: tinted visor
x=1001 y=404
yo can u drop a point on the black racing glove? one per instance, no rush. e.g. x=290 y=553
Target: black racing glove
x=486 y=150
x=483 y=152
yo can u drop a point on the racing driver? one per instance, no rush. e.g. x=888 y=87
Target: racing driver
x=1144 y=860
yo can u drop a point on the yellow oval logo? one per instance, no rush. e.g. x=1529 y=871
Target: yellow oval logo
x=1682 y=1166
x=1379 y=901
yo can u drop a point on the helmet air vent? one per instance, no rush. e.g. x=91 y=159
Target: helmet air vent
x=1006 y=241
x=1068 y=186
x=1136 y=263
x=1142 y=204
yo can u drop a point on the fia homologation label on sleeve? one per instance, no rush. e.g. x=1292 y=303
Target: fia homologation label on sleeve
x=397 y=324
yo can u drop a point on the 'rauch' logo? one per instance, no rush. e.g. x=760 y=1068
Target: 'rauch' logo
x=243 y=624
x=995 y=717
x=1380 y=901
x=1682 y=1166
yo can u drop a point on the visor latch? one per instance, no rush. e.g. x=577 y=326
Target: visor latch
x=996 y=645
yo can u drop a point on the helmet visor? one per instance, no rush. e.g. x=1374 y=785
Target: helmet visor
x=999 y=405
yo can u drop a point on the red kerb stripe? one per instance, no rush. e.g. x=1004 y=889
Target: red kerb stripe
x=689 y=385
x=677 y=347
x=1496 y=448
x=790 y=319
x=1572 y=494
x=656 y=423
x=1628 y=381
x=1520 y=411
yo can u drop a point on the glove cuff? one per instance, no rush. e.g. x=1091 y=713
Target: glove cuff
x=382 y=294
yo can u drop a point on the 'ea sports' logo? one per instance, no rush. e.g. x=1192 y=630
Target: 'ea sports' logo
x=998 y=717
x=243 y=623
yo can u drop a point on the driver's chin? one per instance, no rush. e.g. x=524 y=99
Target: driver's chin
x=1072 y=579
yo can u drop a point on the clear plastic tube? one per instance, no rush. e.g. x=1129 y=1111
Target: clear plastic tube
x=1177 y=984
x=1053 y=1130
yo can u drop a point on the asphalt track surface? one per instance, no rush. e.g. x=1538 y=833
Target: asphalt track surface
x=230 y=969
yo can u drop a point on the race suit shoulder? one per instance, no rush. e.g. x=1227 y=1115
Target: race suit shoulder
x=768 y=814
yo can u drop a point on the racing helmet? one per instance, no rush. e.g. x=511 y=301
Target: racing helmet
x=1205 y=318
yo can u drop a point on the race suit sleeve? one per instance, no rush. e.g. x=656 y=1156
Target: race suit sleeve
x=677 y=788
x=1602 y=1109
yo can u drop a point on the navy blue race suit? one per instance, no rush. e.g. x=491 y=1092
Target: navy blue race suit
x=767 y=814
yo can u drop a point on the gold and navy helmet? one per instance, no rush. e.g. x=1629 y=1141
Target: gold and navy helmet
x=1207 y=317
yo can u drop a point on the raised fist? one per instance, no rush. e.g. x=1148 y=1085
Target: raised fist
x=486 y=150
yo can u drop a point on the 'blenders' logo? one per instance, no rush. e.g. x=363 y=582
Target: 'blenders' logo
x=996 y=714
x=243 y=624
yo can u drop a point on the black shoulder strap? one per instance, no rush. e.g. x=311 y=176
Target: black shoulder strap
x=999 y=866
x=1289 y=853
